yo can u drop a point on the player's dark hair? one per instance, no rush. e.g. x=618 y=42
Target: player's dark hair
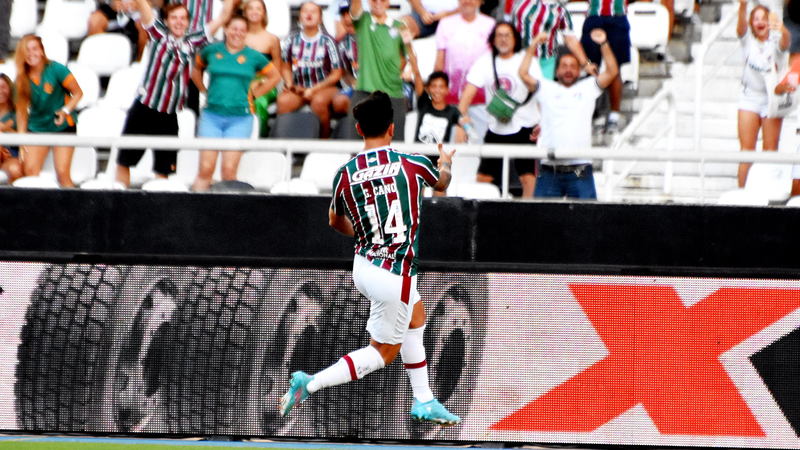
x=374 y=114
x=438 y=74
x=517 y=37
x=563 y=51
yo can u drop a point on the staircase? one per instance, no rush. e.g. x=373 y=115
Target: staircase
x=691 y=182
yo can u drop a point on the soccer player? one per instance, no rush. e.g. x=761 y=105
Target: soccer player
x=376 y=199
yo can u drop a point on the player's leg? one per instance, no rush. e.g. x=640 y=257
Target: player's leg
x=425 y=406
x=389 y=318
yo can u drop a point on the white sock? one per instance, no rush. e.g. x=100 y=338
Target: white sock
x=349 y=367
x=413 y=353
x=613 y=116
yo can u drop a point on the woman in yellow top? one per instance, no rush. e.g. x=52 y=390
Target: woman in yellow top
x=47 y=94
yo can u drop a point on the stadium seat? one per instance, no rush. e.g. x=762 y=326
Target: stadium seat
x=99 y=121
x=279 y=18
x=684 y=8
x=88 y=81
x=164 y=185
x=3 y=177
x=774 y=181
x=794 y=202
x=10 y=69
x=123 y=86
x=43 y=181
x=474 y=190
x=187 y=166
x=320 y=168
x=425 y=49
x=84 y=165
x=262 y=169
x=297 y=125
x=649 y=26
x=410 y=127
x=24 y=17
x=742 y=197
x=629 y=72
x=70 y=18
x=102 y=183
x=295 y=186
x=105 y=53
x=577 y=12
x=465 y=169
x=56 y=46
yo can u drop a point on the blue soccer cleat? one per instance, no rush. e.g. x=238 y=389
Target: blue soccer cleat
x=297 y=392
x=433 y=411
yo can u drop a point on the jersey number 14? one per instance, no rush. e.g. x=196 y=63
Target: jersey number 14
x=393 y=227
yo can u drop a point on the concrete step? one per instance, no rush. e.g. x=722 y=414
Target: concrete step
x=682 y=185
x=689 y=169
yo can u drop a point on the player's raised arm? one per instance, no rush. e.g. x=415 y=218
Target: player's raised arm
x=445 y=164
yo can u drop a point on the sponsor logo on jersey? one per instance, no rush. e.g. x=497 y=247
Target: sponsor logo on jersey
x=376 y=172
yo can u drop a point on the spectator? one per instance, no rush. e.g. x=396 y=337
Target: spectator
x=609 y=15
x=266 y=43
x=47 y=95
x=165 y=84
x=348 y=52
x=119 y=16
x=567 y=106
x=200 y=12
x=763 y=47
x=9 y=156
x=436 y=120
x=460 y=40
x=500 y=69
x=233 y=68
x=381 y=56
x=311 y=69
x=532 y=17
x=5 y=28
x=425 y=16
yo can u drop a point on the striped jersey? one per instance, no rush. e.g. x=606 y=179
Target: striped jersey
x=380 y=190
x=532 y=17
x=311 y=59
x=200 y=12
x=166 y=78
x=607 y=7
x=348 y=51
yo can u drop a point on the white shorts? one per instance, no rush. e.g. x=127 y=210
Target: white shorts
x=756 y=102
x=391 y=299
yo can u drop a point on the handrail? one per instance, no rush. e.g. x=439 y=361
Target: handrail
x=665 y=94
x=699 y=72
x=343 y=146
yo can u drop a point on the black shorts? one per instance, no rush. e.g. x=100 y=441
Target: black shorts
x=494 y=166
x=618 y=33
x=143 y=120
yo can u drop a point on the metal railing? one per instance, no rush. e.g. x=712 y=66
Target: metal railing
x=699 y=74
x=665 y=95
x=506 y=152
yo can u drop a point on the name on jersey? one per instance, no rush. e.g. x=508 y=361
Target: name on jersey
x=376 y=172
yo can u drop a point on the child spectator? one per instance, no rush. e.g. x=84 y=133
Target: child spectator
x=311 y=69
x=9 y=156
x=233 y=69
x=47 y=95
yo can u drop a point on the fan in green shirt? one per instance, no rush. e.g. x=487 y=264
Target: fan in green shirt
x=47 y=95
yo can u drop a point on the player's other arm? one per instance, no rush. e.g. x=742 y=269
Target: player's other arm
x=445 y=163
x=340 y=223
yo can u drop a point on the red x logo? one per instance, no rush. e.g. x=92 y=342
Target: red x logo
x=662 y=355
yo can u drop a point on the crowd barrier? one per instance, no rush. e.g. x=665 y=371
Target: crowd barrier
x=183 y=315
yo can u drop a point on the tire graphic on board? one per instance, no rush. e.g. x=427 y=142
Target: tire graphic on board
x=197 y=350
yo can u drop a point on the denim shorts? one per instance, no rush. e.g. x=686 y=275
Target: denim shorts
x=220 y=126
